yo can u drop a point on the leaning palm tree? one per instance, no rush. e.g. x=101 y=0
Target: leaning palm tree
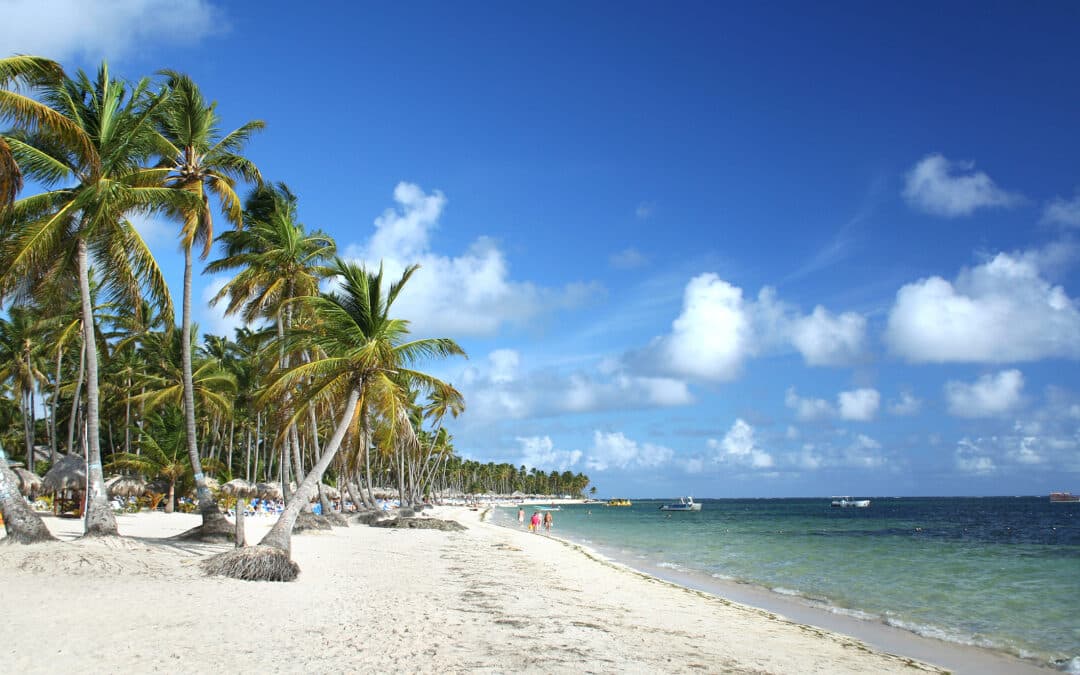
x=202 y=162
x=360 y=360
x=22 y=525
x=101 y=181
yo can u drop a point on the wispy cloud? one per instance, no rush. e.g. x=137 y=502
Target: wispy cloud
x=946 y=188
x=628 y=259
x=63 y=29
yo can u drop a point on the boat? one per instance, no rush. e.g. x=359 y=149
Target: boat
x=549 y=508
x=848 y=502
x=619 y=502
x=1064 y=497
x=684 y=504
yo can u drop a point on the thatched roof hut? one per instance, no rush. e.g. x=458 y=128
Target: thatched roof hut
x=269 y=490
x=240 y=488
x=125 y=486
x=158 y=486
x=29 y=482
x=69 y=473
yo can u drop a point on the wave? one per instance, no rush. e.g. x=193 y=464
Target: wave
x=670 y=565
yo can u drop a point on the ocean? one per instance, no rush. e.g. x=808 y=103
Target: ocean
x=996 y=572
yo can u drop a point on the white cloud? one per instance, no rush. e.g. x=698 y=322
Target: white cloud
x=63 y=29
x=951 y=189
x=859 y=404
x=825 y=339
x=540 y=452
x=499 y=388
x=863 y=453
x=738 y=446
x=628 y=259
x=718 y=330
x=1061 y=211
x=968 y=459
x=997 y=312
x=614 y=450
x=159 y=233
x=469 y=294
x=808 y=409
x=213 y=319
x=644 y=210
x=907 y=404
x=989 y=396
x=504 y=365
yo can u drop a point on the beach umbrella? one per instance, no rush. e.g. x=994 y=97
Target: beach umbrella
x=212 y=484
x=158 y=486
x=269 y=490
x=125 y=486
x=240 y=488
x=29 y=482
x=69 y=473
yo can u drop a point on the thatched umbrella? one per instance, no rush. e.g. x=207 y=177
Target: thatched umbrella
x=125 y=486
x=242 y=490
x=69 y=473
x=29 y=482
x=269 y=490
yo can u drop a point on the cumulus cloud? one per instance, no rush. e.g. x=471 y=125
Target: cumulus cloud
x=1000 y=311
x=859 y=404
x=718 y=329
x=969 y=458
x=1061 y=211
x=808 y=409
x=468 y=294
x=907 y=404
x=540 y=452
x=988 y=396
x=738 y=446
x=63 y=29
x=500 y=387
x=628 y=259
x=825 y=339
x=936 y=185
x=615 y=451
x=863 y=452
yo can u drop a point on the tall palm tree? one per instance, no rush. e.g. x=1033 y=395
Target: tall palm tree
x=103 y=179
x=360 y=360
x=21 y=353
x=277 y=261
x=202 y=162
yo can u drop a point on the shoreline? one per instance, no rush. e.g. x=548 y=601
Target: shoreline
x=488 y=599
x=954 y=656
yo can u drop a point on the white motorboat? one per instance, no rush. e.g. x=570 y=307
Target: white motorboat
x=684 y=504
x=848 y=502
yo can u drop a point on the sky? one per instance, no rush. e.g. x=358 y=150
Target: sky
x=728 y=250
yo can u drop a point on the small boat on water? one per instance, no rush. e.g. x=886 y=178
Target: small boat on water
x=549 y=508
x=684 y=504
x=1064 y=497
x=619 y=502
x=848 y=502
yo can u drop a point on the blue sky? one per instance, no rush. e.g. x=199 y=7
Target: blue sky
x=690 y=248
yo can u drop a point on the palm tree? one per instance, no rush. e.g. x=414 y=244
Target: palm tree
x=202 y=162
x=22 y=525
x=28 y=114
x=360 y=358
x=103 y=179
x=21 y=353
x=278 y=261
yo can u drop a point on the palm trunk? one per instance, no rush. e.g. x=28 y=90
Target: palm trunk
x=280 y=535
x=22 y=525
x=76 y=398
x=208 y=507
x=54 y=443
x=170 y=505
x=100 y=520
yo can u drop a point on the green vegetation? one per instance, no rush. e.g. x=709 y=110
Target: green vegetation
x=321 y=386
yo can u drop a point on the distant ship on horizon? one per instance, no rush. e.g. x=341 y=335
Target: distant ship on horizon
x=1064 y=497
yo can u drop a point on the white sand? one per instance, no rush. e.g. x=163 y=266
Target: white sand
x=375 y=600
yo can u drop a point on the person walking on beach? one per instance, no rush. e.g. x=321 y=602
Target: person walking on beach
x=534 y=522
x=547 y=521
x=521 y=516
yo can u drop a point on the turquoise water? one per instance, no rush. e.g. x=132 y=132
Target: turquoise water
x=997 y=572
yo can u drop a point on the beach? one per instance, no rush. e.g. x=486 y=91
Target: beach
x=488 y=599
